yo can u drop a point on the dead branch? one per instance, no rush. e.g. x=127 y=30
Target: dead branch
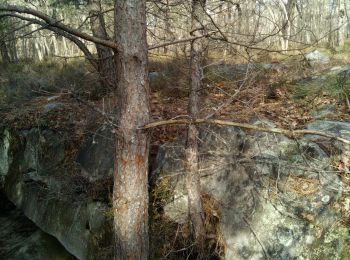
x=181 y=40
x=290 y=133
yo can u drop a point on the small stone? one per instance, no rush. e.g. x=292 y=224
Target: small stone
x=325 y=199
x=309 y=239
x=305 y=186
x=52 y=106
x=52 y=98
x=285 y=236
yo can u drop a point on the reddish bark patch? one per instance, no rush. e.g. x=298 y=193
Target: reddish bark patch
x=139 y=160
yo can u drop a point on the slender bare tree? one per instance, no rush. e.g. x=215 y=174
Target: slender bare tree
x=192 y=156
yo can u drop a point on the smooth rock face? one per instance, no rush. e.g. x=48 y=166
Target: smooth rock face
x=35 y=181
x=5 y=155
x=96 y=158
x=280 y=198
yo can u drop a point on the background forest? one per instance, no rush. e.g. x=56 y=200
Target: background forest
x=235 y=32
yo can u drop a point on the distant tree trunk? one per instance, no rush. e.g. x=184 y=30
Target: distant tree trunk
x=55 y=45
x=47 y=50
x=64 y=47
x=25 y=48
x=130 y=194
x=341 y=23
x=106 y=63
x=37 y=51
x=168 y=25
x=288 y=9
x=4 y=52
x=13 y=47
x=346 y=12
x=193 y=177
x=331 y=43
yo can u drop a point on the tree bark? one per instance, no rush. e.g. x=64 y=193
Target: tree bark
x=192 y=176
x=130 y=194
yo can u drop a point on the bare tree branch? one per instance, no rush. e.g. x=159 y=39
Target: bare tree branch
x=53 y=23
x=65 y=34
x=181 y=41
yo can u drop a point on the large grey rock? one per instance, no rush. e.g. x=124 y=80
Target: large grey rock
x=317 y=57
x=277 y=195
x=34 y=179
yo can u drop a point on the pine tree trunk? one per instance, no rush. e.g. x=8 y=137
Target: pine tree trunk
x=130 y=194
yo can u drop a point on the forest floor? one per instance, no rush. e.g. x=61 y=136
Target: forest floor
x=288 y=96
x=281 y=95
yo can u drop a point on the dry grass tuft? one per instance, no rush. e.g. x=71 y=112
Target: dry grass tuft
x=170 y=240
